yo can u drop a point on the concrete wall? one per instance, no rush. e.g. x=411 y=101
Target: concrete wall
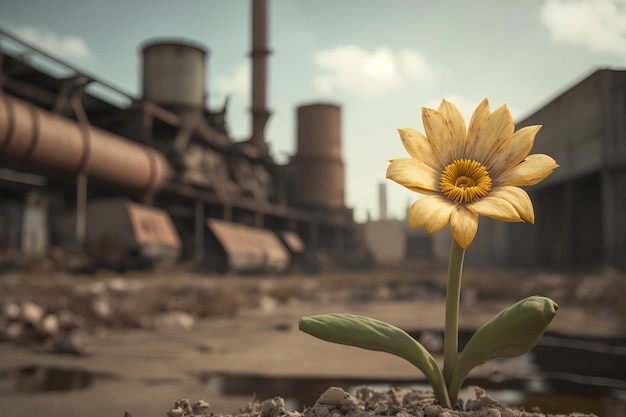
x=386 y=240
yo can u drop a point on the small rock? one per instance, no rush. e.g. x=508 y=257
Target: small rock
x=11 y=311
x=31 y=313
x=338 y=398
x=490 y=412
x=70 y=344
x=174 y=320
x=13 y=331
x=49 y=326
x=119 y=284
x=482 y=400
x=276 y=408
x=399 y=394
x=183 y=405
x=101 y=308
x=176 y=412
x=267 y=304
x=201 y=407
x=433 y=410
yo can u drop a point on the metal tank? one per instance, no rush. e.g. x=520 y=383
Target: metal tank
x=319 y=166
x=41 y=142
x=174 y=75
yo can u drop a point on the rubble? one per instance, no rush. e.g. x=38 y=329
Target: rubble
x=335 y=402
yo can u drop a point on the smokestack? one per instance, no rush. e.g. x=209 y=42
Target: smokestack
x=382 y=200
x=260 y=51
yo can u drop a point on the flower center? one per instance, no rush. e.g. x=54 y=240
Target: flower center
x=465 y=181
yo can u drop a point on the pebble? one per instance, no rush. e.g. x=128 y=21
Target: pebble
x=433 y=410
x=13 y=331
x=101 y=308
x=31 y=313
x=49 y=326
x=11 y=311
x=201 y=407
x=338 y=398
x=174 y=320
x=490 y=412
x=70 y=344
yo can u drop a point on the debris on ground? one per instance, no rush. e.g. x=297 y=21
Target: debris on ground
x=335 y=402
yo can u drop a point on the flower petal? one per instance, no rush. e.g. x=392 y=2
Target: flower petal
x=532 y=170
x=495 y=208
x=497 y=128
x=457 y=127
x=440 y=218
x=478 y=118
x=413 y=174
x=432 y=210
x=463 y=225
x=513 y=151
x=438 y=132
x=418 y=146
x=518 y=199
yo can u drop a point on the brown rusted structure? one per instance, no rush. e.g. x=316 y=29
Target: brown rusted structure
x=319 y=179
x=38 y=141
x=260 y=51
x=75 y=142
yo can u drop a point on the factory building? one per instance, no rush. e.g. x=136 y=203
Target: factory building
x=580 y=209
x=158 y=178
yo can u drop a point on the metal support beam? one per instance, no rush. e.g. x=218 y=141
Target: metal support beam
x=81 y=210
x=608 y=195
x=228 y=212
x=259 y=219
x=199 y=227
x=313 y=235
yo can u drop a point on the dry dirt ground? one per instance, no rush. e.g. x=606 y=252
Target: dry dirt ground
x=138 y=356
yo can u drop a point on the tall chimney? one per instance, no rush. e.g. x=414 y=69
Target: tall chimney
x=260 y=113
x=382 y=201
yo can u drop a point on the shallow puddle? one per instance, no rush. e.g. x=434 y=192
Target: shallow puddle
x=34 y=379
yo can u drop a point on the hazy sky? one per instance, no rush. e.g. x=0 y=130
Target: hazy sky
x=380 y=60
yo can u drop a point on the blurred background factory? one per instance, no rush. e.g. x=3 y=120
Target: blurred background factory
x=129 y=182
x=137 y=181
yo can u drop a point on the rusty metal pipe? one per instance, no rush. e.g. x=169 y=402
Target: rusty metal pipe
x=38 y=141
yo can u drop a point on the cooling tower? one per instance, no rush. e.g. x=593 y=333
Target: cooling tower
x=319 y=180
x=174 y=76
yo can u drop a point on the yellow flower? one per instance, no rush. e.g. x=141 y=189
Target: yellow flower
x=467 y=173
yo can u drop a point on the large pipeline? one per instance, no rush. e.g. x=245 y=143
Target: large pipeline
x=38 y=141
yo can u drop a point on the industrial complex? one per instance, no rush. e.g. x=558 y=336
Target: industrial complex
x=156 y=179
x=136 y=181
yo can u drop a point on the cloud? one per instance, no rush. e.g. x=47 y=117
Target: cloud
x=365 y=74
x=68 y=46
x=599 y=25
x=236 y=84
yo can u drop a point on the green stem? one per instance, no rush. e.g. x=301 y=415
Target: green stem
x=453 y=295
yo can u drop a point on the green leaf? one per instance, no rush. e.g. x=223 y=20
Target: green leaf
x=512 y=332
x=372 y=334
